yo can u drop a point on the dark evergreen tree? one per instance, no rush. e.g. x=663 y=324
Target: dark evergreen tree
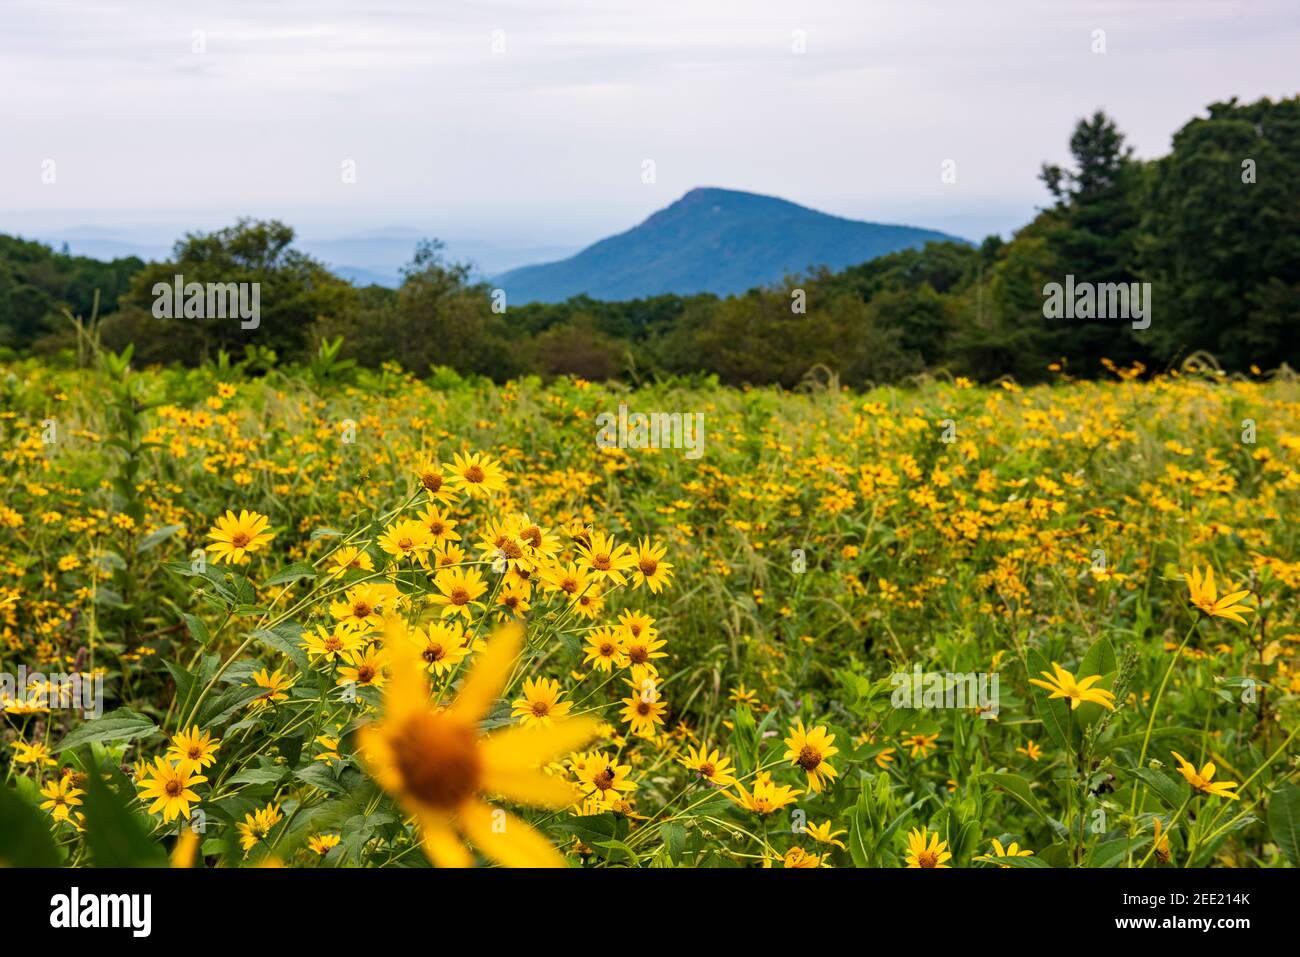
x=1221 y=236
x=1092 y=232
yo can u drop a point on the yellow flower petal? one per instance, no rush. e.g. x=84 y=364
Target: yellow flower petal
x=441 y=844
x=407 y=691
x=530 y=787
x=507 y=839
x=488 y=675
x=529 y=747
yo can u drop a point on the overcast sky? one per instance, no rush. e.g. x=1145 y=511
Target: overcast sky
x=544 y=141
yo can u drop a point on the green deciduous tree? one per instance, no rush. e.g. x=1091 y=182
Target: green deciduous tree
x=1221 y=236
x=294 y=292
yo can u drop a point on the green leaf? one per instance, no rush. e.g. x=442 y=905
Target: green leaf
x=198 y=630
x=1159 y=782
x=116 y=837
x=1124 y=740
x=860 y=833
x=120 y=725
x=1018 y=788
x=216 y=710
x=285 y=638
x=258 y=776
x=25 y=839
x=616 y=852
x=591 y=829
x=1100 y=659
x=157 y=537
x=110 y=560
x=184 y=681
x=291 y=573
x=319 y=775
x=674 y=838
x=745 y=736
x=961 y=834
x=1111 y=853
x=887 y=835
x=184 y=569
x=1284 y=821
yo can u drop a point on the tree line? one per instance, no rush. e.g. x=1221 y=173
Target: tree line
x=1213 y=227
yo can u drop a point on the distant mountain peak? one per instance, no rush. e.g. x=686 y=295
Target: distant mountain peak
x=706 y=195
x=719 y=194
x=715 y=240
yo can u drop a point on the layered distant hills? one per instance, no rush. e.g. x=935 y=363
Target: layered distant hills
x=372 y=257
x=712 y=240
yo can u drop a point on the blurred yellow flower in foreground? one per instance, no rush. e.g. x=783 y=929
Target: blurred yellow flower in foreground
x=434 y=762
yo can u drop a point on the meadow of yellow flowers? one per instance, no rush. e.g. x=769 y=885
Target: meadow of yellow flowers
x=370 y=620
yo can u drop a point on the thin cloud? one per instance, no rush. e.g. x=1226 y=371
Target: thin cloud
x=547 y=138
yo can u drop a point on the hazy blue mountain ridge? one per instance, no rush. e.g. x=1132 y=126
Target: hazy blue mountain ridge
x=712 y=240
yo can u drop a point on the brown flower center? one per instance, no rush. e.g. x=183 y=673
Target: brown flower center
x=434 y=652
x=809 y=758
x=474 y=474
x=601 y=562
x=647 y=566
x=603 y=779
x=361 y=609
x=240 y=539
x=431 y=480
x=459 y=596
x=438 y=760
